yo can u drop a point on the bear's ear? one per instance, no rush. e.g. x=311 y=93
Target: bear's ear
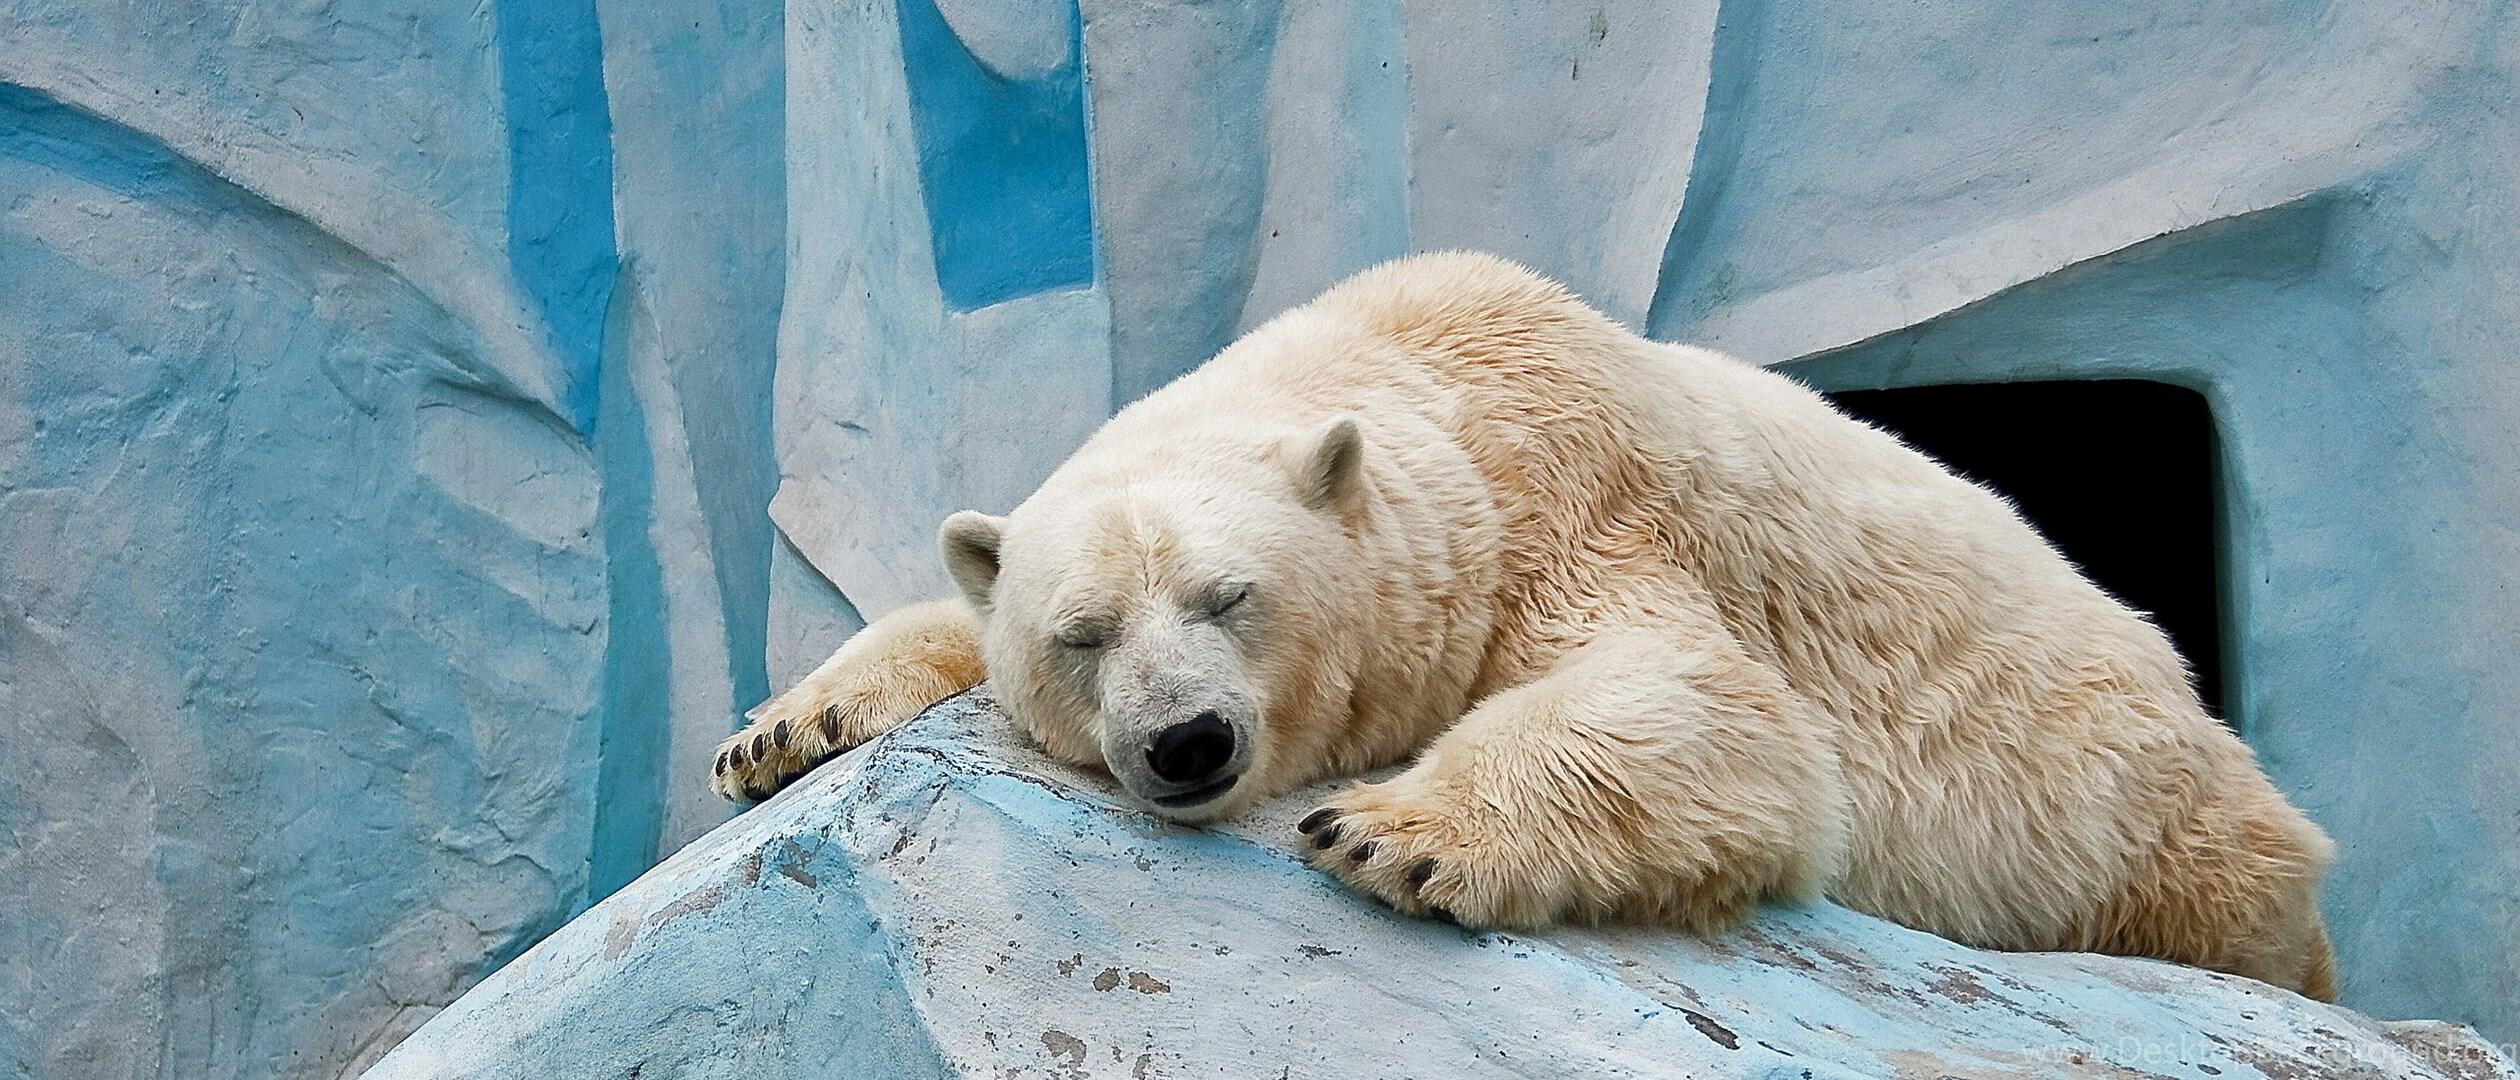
x=970 y=543
x=1334 y=467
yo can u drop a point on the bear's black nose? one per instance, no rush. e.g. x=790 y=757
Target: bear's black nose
x=1193 y=749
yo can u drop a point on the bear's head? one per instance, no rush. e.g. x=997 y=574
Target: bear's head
x=1186 y=619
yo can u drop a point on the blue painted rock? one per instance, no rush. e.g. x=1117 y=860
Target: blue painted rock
x=946 y=902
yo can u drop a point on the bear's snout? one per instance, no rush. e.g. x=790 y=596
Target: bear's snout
x=1178 y=725
x=1192 y=751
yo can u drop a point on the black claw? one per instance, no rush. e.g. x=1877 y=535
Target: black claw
x=735 y=757
x=1328 y=835
x=831 y=725
x=719 y=769
x=761 y=744
x=779 y=734
x=1315 y=820
x=1419 y=871
x=1361 y=852
x=1443 y=916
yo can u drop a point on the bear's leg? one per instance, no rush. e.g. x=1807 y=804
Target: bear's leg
x=1655 y=773
x=2234 y=888
x=883 y=675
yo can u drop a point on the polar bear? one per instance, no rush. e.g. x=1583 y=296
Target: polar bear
x=1665 y=634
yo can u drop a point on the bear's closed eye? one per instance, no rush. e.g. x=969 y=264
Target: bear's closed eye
x=1084 y=637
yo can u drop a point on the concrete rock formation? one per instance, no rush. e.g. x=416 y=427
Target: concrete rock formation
x=391 y=392
x=327 y=621
x=947 y=902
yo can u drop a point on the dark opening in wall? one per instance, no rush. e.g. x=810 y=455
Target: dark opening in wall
x=2120 y=476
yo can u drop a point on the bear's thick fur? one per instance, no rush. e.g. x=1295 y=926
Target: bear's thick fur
x=1664 y=633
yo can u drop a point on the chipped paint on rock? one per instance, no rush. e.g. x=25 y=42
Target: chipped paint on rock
x=947 y=902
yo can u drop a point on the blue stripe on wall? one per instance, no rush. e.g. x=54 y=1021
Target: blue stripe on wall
x=630 y=769
x=560 y=175
x=1002 y=165
x=561 y=245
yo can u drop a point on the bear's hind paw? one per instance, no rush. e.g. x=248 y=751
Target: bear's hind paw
x=1448 y=856
x=1429 y=862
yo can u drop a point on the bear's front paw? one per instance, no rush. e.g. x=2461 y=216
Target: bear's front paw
x=820 y=719
x=1432 y=852
x=883 y=675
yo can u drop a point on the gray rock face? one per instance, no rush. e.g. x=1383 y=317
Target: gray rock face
x=946 y=902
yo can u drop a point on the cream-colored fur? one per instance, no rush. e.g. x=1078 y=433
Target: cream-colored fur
x=887 y=673
x=1664 y=632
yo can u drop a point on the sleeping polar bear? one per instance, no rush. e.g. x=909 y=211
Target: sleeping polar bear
x=1664 y=633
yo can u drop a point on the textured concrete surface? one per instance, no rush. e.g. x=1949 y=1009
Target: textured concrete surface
x=390 y=392
x=946 y=902
x=327 y=621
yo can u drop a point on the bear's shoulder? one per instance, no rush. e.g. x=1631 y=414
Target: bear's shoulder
x=1449 y=293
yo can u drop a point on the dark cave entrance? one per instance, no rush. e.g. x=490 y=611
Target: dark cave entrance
x=2120 y=475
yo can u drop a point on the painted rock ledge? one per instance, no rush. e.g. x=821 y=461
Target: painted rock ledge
x=948 y=903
